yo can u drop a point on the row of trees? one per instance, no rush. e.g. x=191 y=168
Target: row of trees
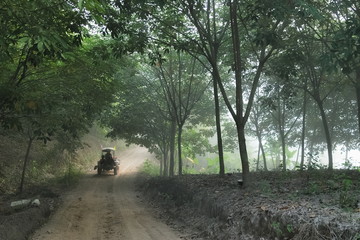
x=286 y=57
x=277 y=67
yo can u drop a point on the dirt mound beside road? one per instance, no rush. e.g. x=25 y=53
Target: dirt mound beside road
x=18 y=225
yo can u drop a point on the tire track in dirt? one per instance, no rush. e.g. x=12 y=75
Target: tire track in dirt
x=106 y=207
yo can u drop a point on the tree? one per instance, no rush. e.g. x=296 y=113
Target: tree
x=58 y=99
x=31 y=33
x=183 y=85
x=259 y=125
x=265 y=32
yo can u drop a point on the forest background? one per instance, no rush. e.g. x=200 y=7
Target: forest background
x=170 y=75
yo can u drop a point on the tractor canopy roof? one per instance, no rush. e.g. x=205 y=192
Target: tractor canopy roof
x=108 y=149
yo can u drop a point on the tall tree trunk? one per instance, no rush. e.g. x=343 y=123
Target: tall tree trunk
x=26 y=159
x=283 y=150
x=166 y=161
x=261 y=146
x=172 y=147
x=243 y=153
x=303 y=129
x=311 y=149
x=357 y=89
x=258 y=159
x=166 y=169
x=179 y=149
x=263 y=155
x=161 y=172
x=281 y=125
x=239 y=118
x=327 y=133
x=218 y=127
x=346 y=152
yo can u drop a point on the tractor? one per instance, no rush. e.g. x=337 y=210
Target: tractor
x=108 y=161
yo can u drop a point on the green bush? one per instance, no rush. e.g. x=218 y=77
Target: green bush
x=347 y=197
x=150 y=168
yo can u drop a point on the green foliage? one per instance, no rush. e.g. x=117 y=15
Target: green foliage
x=212 y=165
x=312 y=188
x=276 y=226
x=314 y=162
x=347 y=164
x=150 y=168
x=347 y=198
x=195 y=141
x=280 y=231
x=290 y=228
x=357 y=236
x=71 y=176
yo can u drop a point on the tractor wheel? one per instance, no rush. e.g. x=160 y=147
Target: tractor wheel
x=99 y=170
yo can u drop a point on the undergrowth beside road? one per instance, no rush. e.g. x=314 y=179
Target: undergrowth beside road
x=277 y=205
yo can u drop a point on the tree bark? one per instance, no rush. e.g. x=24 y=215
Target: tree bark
x=281 y=125
x=179 y=149
x=218 y=128
x=327 y=133
x=26 y=159
x=243 y=153
x=166 y=169
x=258 y=159
x=263 y=154
x=261 y=146
x=161 y=172
x=303 y=131
x=239 y=118
x=357 y=89
x=172 y=148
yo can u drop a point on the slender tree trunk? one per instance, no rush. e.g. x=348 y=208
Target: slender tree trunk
x=303 y=130
x=243 y=153
x=281 y=123
x=161 y=172
x=165 y=152
x=263 y=154
x=218 y=127
x=357 y=89
x=165 y=168
x=258 y=159
x=179 y=149
x=264 y=157
x=261 y=146
x=311 y=149
x=297 y=156
x=239 y=118
x=346 y=151
x=172 y=148
x=327 y=133
x=26 y=159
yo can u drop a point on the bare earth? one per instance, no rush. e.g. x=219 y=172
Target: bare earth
x=107 y=207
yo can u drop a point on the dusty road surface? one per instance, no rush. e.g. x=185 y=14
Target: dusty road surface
x=106 y=207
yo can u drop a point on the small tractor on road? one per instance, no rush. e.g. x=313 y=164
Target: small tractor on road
x=108 y=161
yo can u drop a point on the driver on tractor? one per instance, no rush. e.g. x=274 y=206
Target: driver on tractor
x=109 y=159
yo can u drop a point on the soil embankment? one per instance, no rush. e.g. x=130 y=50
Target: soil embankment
x=276 y=205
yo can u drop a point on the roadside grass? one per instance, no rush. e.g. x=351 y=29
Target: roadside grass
x=70 y=177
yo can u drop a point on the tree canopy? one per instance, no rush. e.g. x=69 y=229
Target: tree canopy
x=284 y=71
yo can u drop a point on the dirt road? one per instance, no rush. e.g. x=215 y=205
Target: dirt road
x=106 y=207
